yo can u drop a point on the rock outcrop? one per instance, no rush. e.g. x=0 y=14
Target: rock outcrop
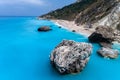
x=71 y=57
x=112 y=19
x=105 y=36
x=96 y=11
x=102 y=34
x=108 y=53
x=44 y=28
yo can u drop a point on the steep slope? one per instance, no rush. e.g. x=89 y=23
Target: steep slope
x=69 y=12
x=112 y=19
x=96 y=11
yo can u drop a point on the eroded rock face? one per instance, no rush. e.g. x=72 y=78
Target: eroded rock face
x=70 y=57
x=109 y=53
x=102 y=34
x=113 y=18
x=96 y=11
x=105 y=35
x=44 y=28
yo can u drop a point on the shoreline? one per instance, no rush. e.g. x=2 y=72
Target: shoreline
x=71 y=26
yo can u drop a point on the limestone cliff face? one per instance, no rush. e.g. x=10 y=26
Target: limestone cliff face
x=95 y=11
x=112 y=19
x=98 y=12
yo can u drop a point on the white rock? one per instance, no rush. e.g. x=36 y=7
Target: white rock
x=109 y=53
x=70 y=56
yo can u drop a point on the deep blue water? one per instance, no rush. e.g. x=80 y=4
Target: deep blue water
x=24 y=52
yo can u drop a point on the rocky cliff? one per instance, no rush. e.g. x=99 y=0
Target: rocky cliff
x=113 y=18
x=98 y=12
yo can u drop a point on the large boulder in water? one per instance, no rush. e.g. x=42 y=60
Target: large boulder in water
x=109 y=53
x=102 y=34
x=70 y=56
x=44 y=28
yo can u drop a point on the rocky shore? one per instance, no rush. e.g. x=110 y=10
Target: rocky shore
x=105 y=36
x=72 y=57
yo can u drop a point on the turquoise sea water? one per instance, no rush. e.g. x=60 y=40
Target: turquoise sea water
x=24 y=53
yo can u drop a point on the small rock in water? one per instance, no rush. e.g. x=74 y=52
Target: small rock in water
x=70 y=56
x=59 y=27
x=109 y=53
x=73 y=30
x=44 y=28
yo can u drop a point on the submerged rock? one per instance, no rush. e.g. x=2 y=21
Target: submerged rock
x=109 y=53
x=70 y=57
x=44 y=28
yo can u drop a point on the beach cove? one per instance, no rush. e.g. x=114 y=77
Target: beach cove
x=24 y=52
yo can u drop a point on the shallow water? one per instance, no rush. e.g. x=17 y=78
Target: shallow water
x=24 y=52
x=116 y=46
